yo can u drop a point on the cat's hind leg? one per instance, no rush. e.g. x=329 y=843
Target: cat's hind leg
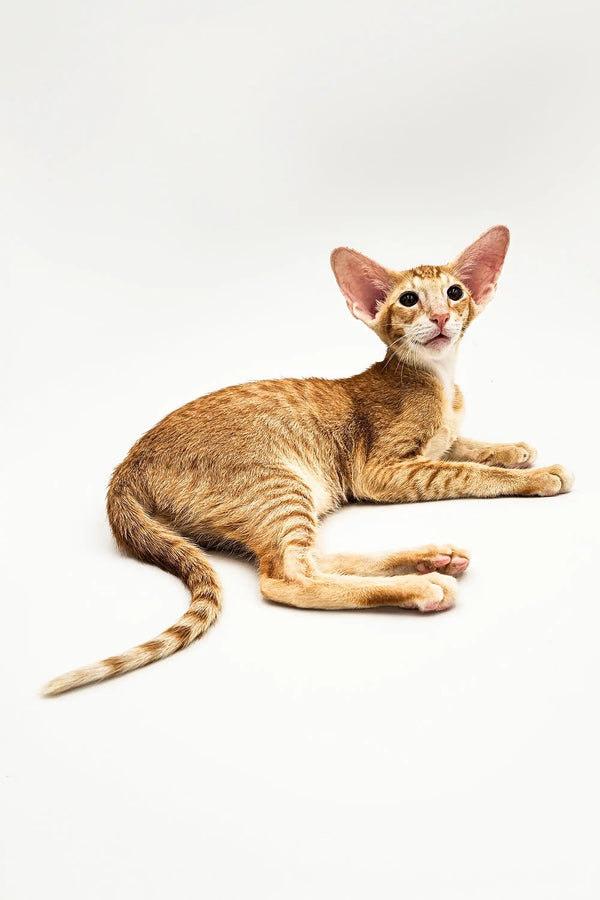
x=297 y=580
x=284 y=540
x=431 y=558
x=428 y=593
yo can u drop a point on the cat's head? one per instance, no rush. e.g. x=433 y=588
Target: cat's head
x=422 y=313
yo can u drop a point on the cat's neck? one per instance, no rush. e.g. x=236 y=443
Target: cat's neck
x=442 y=368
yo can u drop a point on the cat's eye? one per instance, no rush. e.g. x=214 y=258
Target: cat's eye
x=408 y=298
x=455 y=292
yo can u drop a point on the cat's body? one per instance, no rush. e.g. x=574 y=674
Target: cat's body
x=255 y=466
x=214 y=481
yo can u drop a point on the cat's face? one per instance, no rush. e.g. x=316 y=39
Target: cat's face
x=425 y=314
x=422 y=313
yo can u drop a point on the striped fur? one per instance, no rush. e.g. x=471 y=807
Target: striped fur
x=255 y=466
x=135 y=530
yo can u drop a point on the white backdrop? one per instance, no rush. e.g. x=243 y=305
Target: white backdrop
x=175 y=175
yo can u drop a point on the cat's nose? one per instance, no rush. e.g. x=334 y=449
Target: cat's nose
x=440 y=319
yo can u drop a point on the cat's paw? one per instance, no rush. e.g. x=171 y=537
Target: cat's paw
x=509 y=456
x=436 y=592
x=549 y=481
x=442 y=558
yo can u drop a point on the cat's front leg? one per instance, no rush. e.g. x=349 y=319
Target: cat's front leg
x=411 y=480
x=508 y=456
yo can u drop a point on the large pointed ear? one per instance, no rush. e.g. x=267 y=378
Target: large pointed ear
x=364 y=283
x=479 y=266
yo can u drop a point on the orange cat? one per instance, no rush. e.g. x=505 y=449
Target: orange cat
x=254 y=467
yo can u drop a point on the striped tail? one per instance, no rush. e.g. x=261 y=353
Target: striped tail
x=153 y=542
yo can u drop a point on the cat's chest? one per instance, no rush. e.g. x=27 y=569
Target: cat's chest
x=447 y=426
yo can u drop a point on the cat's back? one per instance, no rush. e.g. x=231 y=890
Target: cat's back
x=201 y=468
x=254 y=420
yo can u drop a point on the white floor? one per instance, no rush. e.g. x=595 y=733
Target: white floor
x=169 y=230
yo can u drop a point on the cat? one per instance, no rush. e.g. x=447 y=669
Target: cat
x=254 y=467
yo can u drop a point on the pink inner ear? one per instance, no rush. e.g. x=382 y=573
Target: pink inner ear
x=479 y=266
x=364 y=283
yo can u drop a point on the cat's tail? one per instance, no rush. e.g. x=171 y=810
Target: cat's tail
x=149 y=540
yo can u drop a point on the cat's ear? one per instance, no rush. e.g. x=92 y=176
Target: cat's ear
x=479 y=266
x=364 y=283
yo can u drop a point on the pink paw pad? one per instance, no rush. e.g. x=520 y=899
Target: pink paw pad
x=457 y=566
x=430 y=565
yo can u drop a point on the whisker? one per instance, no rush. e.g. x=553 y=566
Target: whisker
x=403 y=337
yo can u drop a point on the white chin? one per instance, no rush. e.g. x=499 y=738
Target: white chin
x=438 y=344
